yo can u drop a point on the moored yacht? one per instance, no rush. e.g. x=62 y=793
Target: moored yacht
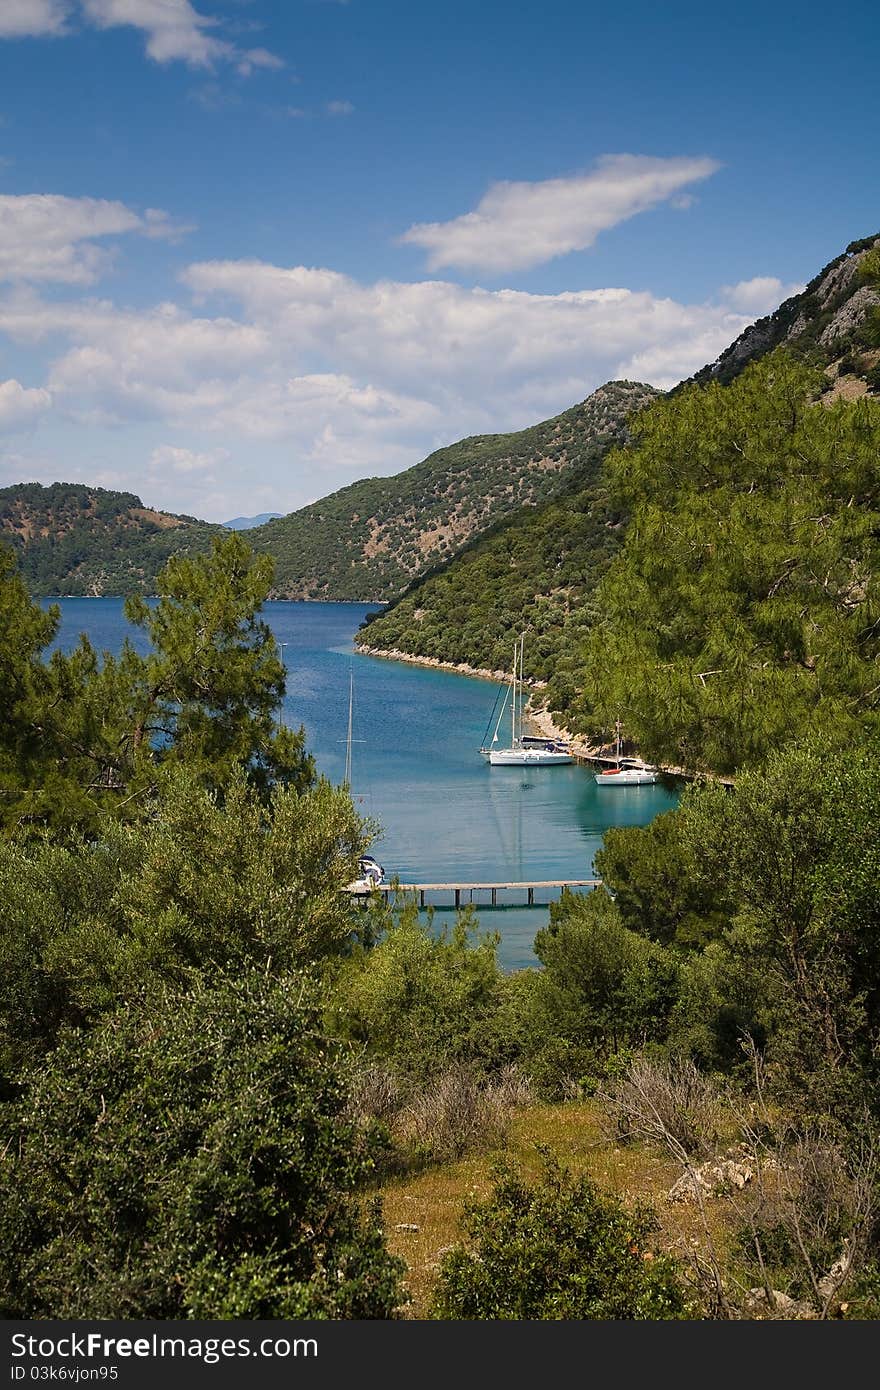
x=522 y=751
x=627 y=772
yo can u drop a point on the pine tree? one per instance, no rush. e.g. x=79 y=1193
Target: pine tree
x=88 y=734
x=742 y=610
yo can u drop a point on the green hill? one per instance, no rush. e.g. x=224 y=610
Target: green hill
x=73 y=539
x=545 y=568
x=369 y=540
x=535 y=570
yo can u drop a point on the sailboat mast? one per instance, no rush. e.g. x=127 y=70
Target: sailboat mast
x=348 y=739
x=522 y=643
x=513 y=702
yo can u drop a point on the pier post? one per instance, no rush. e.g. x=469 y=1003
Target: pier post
x=531 y=895
x=494 y=896
x=458 y=897
x=421 y=897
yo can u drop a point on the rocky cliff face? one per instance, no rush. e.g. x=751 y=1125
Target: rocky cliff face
x=825 y=321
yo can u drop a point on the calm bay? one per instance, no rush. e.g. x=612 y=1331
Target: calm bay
x=445 y=816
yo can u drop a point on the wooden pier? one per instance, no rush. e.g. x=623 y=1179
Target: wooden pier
x=464 y=892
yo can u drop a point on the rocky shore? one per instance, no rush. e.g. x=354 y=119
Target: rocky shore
x=460 y=666
x=541 y=720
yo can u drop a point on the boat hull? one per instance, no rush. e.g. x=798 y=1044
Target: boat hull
x=527 y=757
x=627 y=777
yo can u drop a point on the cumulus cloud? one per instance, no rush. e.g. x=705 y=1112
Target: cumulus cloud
x=288 y=350
x=21 y=19
x=333 y=379
x=174 y=30
x=20 y=406
x=758 y=296
x=467 y=346
x=44 y=236
x=519 y=225
x=179 y=460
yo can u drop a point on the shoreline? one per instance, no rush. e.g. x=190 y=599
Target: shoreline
x=461 y=668
x=541 y=719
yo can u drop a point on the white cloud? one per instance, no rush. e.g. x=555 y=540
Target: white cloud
x=21 y=19
x=760 y=295
x=470 y=349
x=157 y=225
x=174 y=30
x=177 y=33
x=44 y=236
x=338 y=108
x=519 y=225
x=297 y=348
x=309 y=379
x=173 y=458
x=20 y=406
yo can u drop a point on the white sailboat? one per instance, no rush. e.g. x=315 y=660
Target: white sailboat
x=521 y=753
x=370 y=870
x=627 y=772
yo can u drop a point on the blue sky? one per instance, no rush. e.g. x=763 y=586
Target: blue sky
x=253 y=250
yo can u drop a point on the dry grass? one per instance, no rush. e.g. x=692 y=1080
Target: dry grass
x=422 y=1213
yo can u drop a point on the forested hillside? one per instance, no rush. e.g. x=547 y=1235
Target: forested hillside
x=538 y=570
x=748 y=460
x=74 y=539
x=369 y=540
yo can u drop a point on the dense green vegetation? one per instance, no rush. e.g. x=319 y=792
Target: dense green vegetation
x=73 y=539
x=87 y=737
x=369 y=540
x=742 y=609
x=209 y=1059
x=738 y=609
x=189 y=1157
x=712 y=583
x=537 y=571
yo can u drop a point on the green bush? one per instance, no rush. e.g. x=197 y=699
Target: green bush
x=203 y=884
x=603 y=988
x=557 y=1249
x=648 y=869
x=190 y=1159
x=425 y=1002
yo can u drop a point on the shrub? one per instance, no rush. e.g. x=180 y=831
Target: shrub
x=664 y=1101
x=557 y=1249
x=422 y=1002
x=455 y=1113
x=603 y=988
x=191 y=1160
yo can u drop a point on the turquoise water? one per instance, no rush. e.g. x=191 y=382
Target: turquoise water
x=445 y=815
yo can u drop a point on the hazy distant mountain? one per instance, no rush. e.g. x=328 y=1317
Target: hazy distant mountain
x=245 y=523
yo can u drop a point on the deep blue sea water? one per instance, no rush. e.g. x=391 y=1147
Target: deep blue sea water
x=445 y=814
